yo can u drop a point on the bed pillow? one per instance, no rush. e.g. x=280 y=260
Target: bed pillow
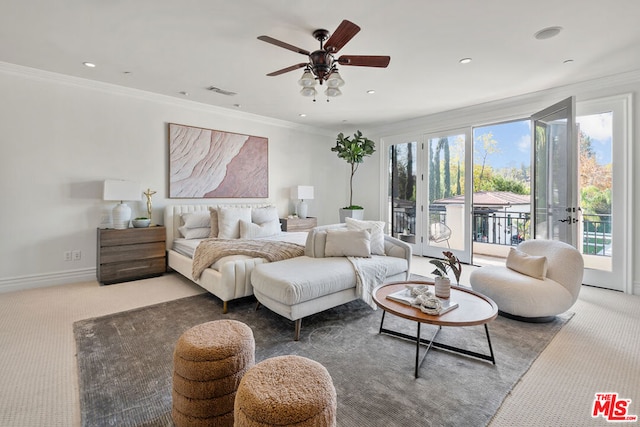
x=213 y=215
x=376 y=228
x=250 y=230
x=266 y=214
x=530 y=265
x=194 y=233
x=195 y=225
x=355 y=243
x=229 y=221
x=196 y=219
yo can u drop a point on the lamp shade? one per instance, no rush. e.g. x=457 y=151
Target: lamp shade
x=307 y=79
x=302 y=192
x=121 y=190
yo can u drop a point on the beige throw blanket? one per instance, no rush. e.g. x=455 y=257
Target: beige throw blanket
x=211 y=250
x=370 y=273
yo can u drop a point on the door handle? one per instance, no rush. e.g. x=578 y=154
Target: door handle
x=567 y=219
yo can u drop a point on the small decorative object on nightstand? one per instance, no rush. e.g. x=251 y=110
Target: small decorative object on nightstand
x=130 y=254
x=298 y=224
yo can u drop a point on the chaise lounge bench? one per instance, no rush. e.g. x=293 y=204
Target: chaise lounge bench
x=319 y=280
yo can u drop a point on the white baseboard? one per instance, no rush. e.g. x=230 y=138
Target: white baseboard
x=47 y=279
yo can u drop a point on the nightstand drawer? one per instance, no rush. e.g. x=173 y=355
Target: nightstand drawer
x=111 y=237
x=141 y=251
x=128 y=270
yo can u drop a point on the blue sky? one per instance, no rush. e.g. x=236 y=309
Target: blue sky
x=514 y=140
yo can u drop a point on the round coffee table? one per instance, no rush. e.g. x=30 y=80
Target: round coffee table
x=473 y=309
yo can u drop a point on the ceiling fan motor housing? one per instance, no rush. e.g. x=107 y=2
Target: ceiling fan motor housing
x=321 y=63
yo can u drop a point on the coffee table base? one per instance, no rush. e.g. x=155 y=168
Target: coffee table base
x=431 y=343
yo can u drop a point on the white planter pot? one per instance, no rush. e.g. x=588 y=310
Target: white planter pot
x=351 y=213
x=443 y=287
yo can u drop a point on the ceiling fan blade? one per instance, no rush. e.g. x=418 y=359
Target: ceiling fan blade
x=283 y=44
x=341 y=36
x=364 y=60
x=286 y=70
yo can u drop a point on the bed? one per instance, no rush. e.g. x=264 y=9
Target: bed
x=228 y=278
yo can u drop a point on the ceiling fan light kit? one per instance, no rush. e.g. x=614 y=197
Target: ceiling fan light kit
x=322 y=65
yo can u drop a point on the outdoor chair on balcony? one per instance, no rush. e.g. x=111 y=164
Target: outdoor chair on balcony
x=540 y=279
x=439 y=232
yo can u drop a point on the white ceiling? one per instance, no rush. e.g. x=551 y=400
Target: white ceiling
x=170 y=46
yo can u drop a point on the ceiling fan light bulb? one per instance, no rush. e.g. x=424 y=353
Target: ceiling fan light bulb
x=335 y=80
x=307 y=79
x=332 y=92
x=308 y=91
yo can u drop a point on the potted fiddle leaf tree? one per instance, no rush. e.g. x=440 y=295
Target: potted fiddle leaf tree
x=353 y=150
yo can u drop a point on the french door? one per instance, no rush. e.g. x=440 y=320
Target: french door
x=555 y=154
x=430 y=192
x=581 y=187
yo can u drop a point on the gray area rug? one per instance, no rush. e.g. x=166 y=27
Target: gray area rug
x=125 y=362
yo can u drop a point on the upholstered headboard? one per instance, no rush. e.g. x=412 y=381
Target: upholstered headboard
x=172 y=215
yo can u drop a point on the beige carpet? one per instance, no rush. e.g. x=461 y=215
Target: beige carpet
x=597 y=351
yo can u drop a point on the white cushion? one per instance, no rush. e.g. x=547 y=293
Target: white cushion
x=194 y=233
x=249 y=230
x=348 y=243
x=266 y=214
x=196 y=219
x=213 y=214
x=229 y=221
x=533 y=266
x=376 y=228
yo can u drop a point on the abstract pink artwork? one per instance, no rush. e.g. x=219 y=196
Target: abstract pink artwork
x=206 y=163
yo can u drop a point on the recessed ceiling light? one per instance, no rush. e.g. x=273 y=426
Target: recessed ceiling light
x=89 y=64
x=184 y=93
x=547 y=33
x=465 y=60
x=371 y=91
x=237 y=105
x=302 y=115
x=567 y=61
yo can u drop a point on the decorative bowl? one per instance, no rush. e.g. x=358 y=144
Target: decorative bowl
x=140 y=223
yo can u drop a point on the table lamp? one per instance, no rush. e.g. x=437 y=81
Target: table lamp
x=302 y=193
x=122 y=191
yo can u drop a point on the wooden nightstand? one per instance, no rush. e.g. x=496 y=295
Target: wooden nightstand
x=130 y=254
x=298 y=224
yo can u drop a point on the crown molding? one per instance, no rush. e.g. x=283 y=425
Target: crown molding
x=511 y=108
x=113 y=89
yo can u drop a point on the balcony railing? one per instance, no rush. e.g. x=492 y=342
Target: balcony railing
x=507 y=228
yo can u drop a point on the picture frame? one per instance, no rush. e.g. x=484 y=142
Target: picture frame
x=209 y=163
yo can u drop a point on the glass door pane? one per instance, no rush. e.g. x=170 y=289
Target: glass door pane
x=556 y=211
x=447 y=223
x=403 y=167
x=605 y=183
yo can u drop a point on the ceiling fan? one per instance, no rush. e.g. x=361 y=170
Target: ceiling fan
x=322 y=62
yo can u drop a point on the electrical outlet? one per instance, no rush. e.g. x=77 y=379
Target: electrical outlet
x=77 y=255
x=67 y=255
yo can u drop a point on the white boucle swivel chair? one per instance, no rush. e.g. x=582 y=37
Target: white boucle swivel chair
x=533 y=299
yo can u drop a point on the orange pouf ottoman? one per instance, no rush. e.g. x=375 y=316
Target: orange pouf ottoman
x=209 y=362
x=286 y=391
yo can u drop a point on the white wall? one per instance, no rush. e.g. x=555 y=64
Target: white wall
x=61 y=137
